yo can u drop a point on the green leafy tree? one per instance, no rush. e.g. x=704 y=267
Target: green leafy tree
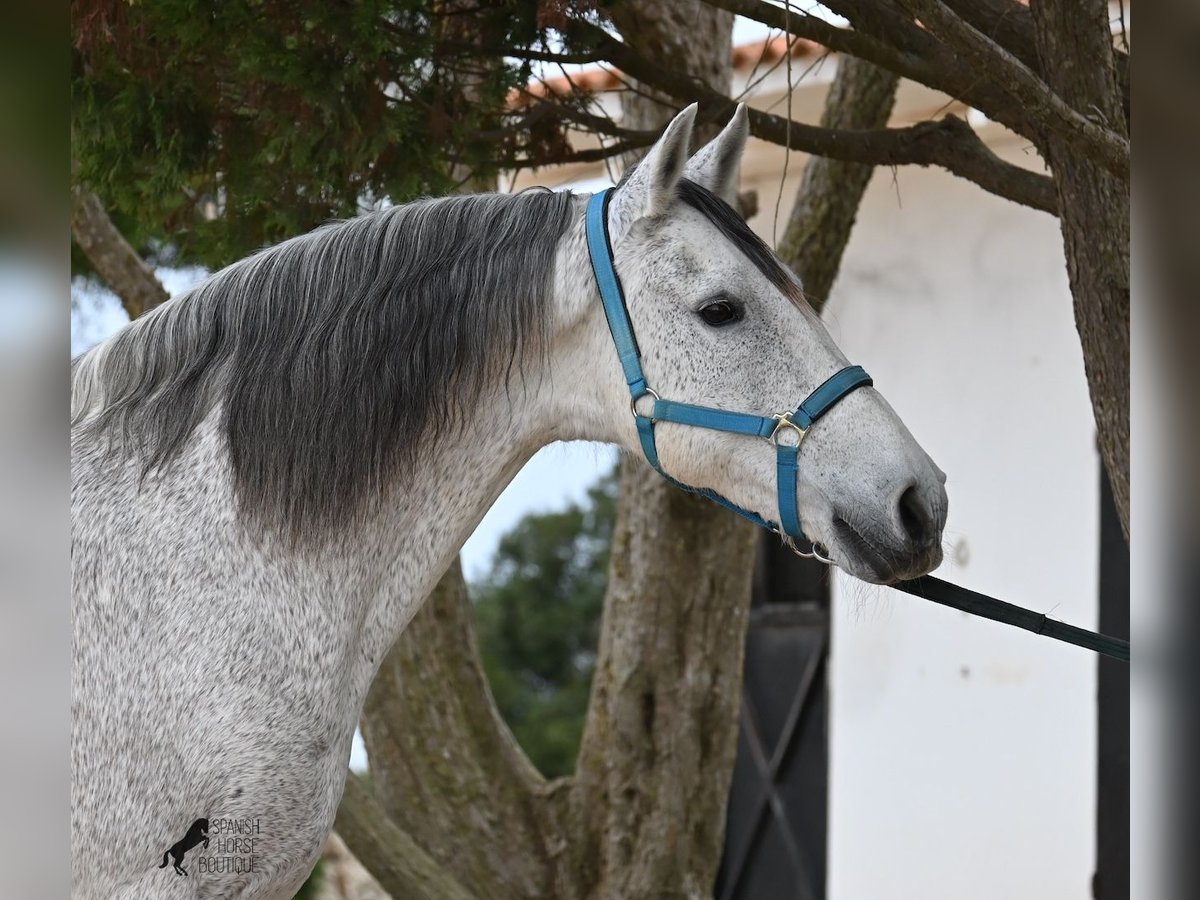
x=538 y=618
x=211 y=130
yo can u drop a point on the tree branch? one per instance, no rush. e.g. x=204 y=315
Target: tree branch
x=861 y=97
x=592 y=154
x=122 y=269
x=949 y=143
x=892 y=40
x=658 y=748
x=472 y=48
x=1010 y=24
x=886 y=22
x=842 y=40
x=1101 y=144
x=543 y=108
x=401 y=867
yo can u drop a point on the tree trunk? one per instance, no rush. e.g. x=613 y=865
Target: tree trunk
x=392 y=857
x=1075 y=48
x=126 y=274
x=686 y=37
x=647 y=805
x=861 y=97
x=445 y=767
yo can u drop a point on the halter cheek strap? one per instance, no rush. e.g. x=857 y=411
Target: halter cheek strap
x=785 y=431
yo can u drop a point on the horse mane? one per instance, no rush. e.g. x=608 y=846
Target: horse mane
x=332 y=353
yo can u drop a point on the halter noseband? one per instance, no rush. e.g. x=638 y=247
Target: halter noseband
x=785 y=430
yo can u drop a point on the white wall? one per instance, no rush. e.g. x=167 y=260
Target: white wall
x=962 y=751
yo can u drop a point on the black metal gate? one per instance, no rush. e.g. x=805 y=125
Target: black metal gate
x=776 y=822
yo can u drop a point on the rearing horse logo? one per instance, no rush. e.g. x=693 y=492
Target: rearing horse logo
x=198 y=833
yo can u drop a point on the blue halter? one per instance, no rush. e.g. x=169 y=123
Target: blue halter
x=785 y=431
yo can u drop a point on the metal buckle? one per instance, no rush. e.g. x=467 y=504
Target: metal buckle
x=784 y=424
x=648 y=392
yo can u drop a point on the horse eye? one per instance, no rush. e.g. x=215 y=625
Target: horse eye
x=722 y=312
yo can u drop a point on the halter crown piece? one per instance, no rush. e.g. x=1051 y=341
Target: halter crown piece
x=785 y=430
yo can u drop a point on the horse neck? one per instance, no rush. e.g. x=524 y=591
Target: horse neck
x=406 y=543
x=557 y=395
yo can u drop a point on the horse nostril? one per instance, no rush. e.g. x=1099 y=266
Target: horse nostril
x=915 y=517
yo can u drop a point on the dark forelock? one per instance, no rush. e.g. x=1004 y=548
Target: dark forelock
x=734 y=228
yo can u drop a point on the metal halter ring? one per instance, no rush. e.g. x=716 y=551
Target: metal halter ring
x=789 y=542
x=815 y=554
x=648 y=392
x=783 y=422
x=818 y=556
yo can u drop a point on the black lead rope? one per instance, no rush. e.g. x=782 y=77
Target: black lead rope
x=929 y=588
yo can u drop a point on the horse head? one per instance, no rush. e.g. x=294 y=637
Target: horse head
x=720 y=322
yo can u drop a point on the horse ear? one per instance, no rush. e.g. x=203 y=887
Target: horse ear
x=650 y=188
x=716 y=164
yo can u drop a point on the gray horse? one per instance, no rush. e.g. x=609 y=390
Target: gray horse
x=271 y=472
